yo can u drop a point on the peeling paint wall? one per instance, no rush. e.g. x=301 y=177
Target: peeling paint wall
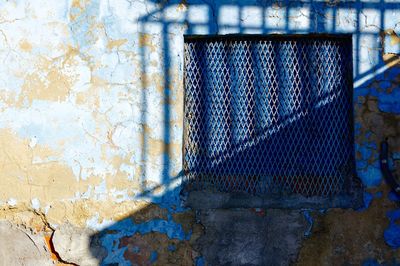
x=91 y=109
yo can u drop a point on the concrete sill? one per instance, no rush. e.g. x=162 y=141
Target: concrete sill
x=207 y=199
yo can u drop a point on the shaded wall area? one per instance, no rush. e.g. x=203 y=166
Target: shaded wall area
x=91 y=114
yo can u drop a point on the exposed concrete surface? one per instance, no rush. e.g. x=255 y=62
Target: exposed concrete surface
x=246 y=237
x=204 y=199
x=20 y=247
x=75 y=245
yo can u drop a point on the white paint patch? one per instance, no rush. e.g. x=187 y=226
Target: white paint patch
x=100 y=191
x=370 y=20
x=129 y=170
x=275 y=19
x=12 y=202
x=35 y=204
x=229 y=15
x=33 y=142
x=198 y=14
x=120 y=195
x=299 y=19
x=94 y=224
x=252 y=17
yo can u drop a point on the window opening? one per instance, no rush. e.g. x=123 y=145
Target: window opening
x=269 y=115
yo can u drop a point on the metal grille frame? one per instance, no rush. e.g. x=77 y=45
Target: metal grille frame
x=268 y=121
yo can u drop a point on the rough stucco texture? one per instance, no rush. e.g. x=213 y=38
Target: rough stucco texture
x=91 y=100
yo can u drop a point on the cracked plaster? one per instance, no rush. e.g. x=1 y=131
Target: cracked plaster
x=91 y=96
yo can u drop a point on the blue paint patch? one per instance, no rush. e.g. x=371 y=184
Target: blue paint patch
x=361 y=91
x=80 y=27
x=309 y=219
x=200 y=261
x=171 y=248
x=378 y=194
x=323 y=211
x=153 y=256
x=392 y=236
x=392 y=73
x=357 y=130
x=136 y=249
x=393 y=196
x=361 y=164
x=390 y=107
x=367 y=197
x=369 y=144
x=391 y=164
x=127 y=227
x=170 y=200
x=371 y=176
x=393 y=215
x=389 y=103
x=366 y=153
x=392 y=233
x=385 y=84
x=396 y=155
x=370 y=262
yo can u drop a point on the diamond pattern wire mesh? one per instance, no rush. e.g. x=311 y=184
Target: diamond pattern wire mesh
x=269 y=115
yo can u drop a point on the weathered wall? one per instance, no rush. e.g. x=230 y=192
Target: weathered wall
x=91 y=119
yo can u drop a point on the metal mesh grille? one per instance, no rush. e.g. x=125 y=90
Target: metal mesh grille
x=269 y=115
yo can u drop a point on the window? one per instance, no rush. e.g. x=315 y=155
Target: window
x=270 y=117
